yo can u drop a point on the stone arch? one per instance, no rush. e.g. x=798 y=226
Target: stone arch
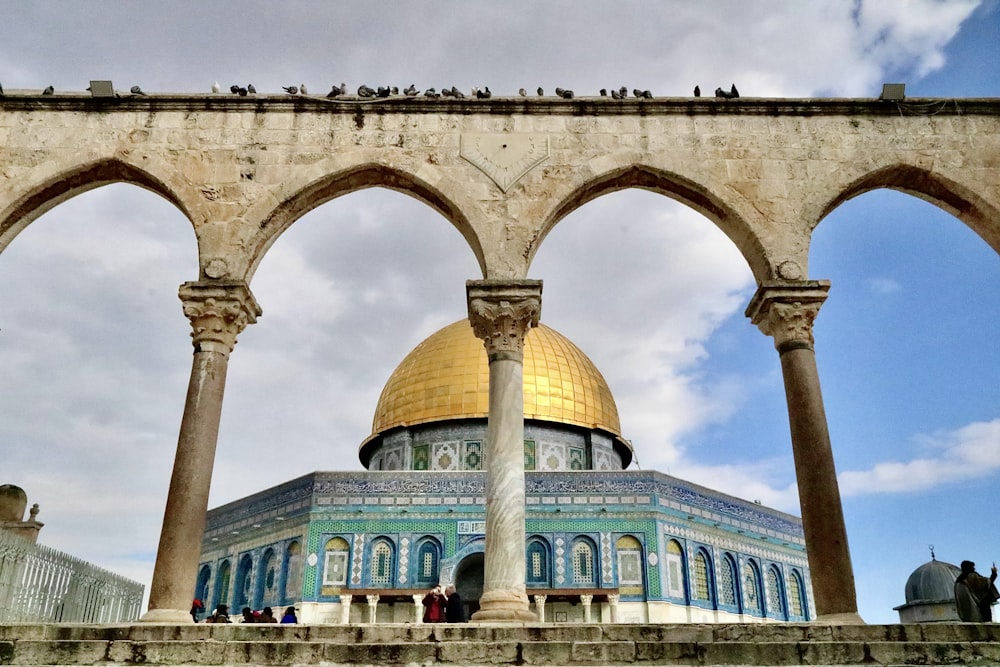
x=360 y=177
x=676 y=187
x=947 y=194
x=60 y=186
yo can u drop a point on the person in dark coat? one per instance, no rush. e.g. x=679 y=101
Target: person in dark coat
x=975 y=594
x=454 y=610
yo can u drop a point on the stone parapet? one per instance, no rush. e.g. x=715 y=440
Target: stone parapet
x=477 y=644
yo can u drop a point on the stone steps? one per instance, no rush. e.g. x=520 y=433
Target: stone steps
x=483 y=645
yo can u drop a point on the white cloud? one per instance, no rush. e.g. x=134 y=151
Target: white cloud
x=969 y=452
x=883 y=286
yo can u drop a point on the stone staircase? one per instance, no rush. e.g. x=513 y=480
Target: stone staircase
x=471 y=645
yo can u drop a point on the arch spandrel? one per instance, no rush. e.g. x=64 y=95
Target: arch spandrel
x=330 y=181
x=698 y=196
x=950 y=194
x=57 y=183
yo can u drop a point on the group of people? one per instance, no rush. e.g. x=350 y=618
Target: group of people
x=975 y=594
x=221 y=614
x=443 y=606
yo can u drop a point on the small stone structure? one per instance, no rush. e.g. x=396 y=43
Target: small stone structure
x=930 y=594
x=13 y=501
x=504 y=172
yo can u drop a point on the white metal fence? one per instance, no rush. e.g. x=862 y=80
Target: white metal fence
x=40 y=584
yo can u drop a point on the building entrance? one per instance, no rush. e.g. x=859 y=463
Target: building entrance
x=469 y=582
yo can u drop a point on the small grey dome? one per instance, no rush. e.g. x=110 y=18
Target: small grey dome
x=13 y=500
x=934 y=581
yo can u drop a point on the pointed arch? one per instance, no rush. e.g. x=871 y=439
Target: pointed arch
x=977 y=213
x=64 y=185
x=538 y=563
x=360 y=177
x=676 y=187
x=583 y=561
x=426 y=565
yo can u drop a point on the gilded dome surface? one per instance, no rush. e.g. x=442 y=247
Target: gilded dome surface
x=447 y=377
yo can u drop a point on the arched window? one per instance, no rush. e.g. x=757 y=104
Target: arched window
x=380 y=566
x=584 y=567
x=675 y=570
x=630 y=566
x=428 y=557
x=222 y=584
x=244 y=582
x=775 y=597
x=701 y=577
x=267 y=581
x=796 y=605
x=752 y=602
x=335 y=562
x=294 y=571
x=201 y=588
x=727 y=582
x=537 y=562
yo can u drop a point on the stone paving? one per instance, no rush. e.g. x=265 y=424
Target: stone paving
x=526 y=644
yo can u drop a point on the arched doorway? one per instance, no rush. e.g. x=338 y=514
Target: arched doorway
x=469 y=582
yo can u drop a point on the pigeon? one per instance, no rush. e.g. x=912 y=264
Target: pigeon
x=242 y=91
x=457 y=93
x=565 y=94
x=446 y=92
x=616 y=95
x=251 y=89
x=1 y=90
x=394 y=90
x=636 y=92
x=49 y=90
x=430 y=92
x=733 y=92
x=604 y=92
x=559 y=92
x=719 y=92
x=234 y=89
x=136 y=90
x=291 y=90
x=623 y=91
x=697 y=91
x=365 y=91
x=383 y=91
x=410 y=90
x=646 y=95
x=215 y=87
x=302 y=89
x=334 y=91
x=522 y=92
x=541 y=92
x=484 y=94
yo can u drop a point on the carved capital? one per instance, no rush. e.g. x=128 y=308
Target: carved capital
x=786 y=311
x=218 y=311
x=502 y=311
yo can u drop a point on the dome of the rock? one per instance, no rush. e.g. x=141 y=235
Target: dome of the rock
x=446 y=378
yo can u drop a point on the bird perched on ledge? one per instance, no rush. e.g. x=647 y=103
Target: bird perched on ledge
x=136 y=90
x=732 y=94
x=484 y=93
x=697 y=91
x=365 y=91
x=291 y=90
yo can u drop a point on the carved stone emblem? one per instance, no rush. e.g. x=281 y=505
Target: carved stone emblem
x=505 y=158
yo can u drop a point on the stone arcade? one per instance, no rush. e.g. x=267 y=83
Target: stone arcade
x=504 y=172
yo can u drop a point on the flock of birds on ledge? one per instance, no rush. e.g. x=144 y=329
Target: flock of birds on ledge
x=484 y=93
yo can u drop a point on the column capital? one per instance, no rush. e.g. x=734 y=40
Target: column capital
x=502 y=311
x=219 y=311
x=786 y=311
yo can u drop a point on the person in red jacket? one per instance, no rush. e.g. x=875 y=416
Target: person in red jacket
x=434 y=604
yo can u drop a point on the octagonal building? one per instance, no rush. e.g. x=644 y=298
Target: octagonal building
x=606 y=542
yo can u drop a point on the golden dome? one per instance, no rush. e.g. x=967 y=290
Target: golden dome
x=447 y=377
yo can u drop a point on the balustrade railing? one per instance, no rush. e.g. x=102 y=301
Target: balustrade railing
x=41 y=584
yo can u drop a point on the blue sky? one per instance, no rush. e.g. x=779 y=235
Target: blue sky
x=96 y=352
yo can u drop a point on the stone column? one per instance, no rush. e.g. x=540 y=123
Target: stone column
x=218 y=311
x=613 y=603
x=345 y=608
x=501 y=312
x=540 y=606
x=418 y=608
x=585 y=600
x=372 y=607
x=786 y=312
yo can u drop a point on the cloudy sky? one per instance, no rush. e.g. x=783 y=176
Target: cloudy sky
x=96 y=353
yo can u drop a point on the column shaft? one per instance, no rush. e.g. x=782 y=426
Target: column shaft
x=786 y=312
x=218 y=312
x=501 y=314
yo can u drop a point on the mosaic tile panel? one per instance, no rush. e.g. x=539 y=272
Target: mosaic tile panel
x=607 y=575
x=445 y=456
x=529 y=455
x=473 y=457
x=551 y=456
x=421 y=457
x=404 y=559
x=577 y=458
x=358 y=560
x=560 y=560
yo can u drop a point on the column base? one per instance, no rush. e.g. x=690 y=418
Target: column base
x=844 y=618
x=167 y=616
x=503 y=607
